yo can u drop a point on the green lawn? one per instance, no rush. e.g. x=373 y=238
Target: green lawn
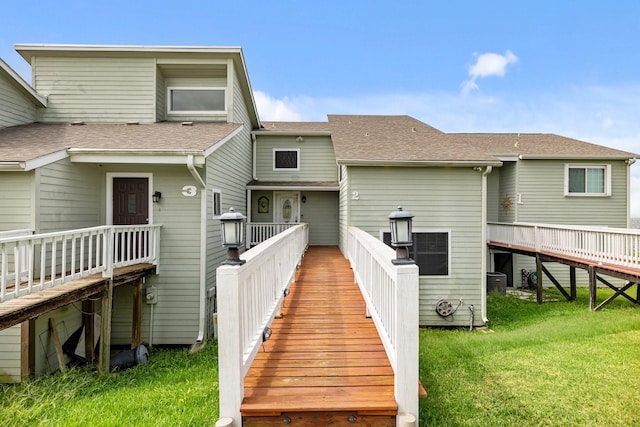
x=556 y=364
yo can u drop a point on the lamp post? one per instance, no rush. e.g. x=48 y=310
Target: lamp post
x=400 y=224
x=232 y=227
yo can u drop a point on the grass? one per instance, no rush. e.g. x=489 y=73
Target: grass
x=555 y=364
x=176 y=388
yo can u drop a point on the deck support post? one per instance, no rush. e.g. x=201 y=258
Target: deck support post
x=592 y=287
x=88 y=314
x=27 y=349
x=105 y=329
x=136 y=323
x=230 y=375
x=539 y=279
x=406 y=376
x=572 y=282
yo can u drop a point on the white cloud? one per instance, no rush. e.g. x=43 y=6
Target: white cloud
x=283 y=110
x=488 y=64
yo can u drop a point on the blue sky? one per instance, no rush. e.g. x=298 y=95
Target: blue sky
x=566 y=67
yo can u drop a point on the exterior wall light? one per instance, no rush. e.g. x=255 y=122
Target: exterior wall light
x=401 y=237
x=156 y=196
x=232 y=225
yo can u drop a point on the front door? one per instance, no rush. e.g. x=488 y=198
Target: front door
x=130 y=201
x=286 y=207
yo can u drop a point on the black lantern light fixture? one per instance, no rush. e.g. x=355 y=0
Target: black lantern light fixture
x=232 y=226
x=401 y=237
x=156 y=196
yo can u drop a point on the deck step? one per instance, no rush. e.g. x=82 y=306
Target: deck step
x=314 y=419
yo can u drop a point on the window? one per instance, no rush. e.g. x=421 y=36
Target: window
x=217 y=202
x=587 y=180
x=430 y=251
x=286 y=159
x=196 y=100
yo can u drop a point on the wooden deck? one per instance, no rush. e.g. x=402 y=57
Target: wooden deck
x=26 y=307
x=324 y=363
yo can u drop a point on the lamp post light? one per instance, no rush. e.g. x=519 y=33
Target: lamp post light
x=400 y=224
x=232 y=225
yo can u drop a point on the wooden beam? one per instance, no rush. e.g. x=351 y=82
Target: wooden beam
x=592 y=287
x=105 y=330
x=618 y=292
x=27 y=349
x=136 y=324
x=539 y=279
x=56 y=343
x=88 y=318
x=556 y=283
x=572 y=282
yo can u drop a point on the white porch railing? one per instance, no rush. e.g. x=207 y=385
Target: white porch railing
x=30 y=263
x=391 y=295
x=258 y=232
x=616 y=246
x=249 y=297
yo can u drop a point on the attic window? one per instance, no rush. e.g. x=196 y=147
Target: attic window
x=196 y=100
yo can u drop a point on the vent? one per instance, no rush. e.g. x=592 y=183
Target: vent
x=77 y=123
x=133 y=122
x=186 y=124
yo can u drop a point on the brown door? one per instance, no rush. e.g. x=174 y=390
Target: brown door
x=130 y=201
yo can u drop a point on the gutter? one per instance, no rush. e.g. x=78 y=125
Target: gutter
x=420 y=163
x=203 y=249
x=12 y=166
x=483 y=286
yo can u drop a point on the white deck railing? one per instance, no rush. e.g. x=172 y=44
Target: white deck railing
x=616 y=246
x=258 y=232
x=391 y=295
x=30 y=263
x=249 y=298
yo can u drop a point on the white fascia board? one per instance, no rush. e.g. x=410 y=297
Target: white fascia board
x=39 y=99
x=292 y=188
x=223 y=141
x=421 y=163
x=292 y=133
x=573 y=157
x=45 y=160
x=12 y=166
x=158 y=157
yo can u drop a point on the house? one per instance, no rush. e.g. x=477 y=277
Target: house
x=171 y=136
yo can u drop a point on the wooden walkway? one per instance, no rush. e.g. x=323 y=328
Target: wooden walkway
x=324 y=363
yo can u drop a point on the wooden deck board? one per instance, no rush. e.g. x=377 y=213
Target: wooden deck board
x=324 y=355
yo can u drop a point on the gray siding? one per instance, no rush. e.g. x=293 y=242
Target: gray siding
x=541 y=183
x=441 y=199
x=15 y=107
x=493 y=196
x=161 y=97
x=508 y=190
x=68 y=319
x=96 y=89
x=16 y=192
x=321 y=213
x=317 y=159
x=69 y=196
x=343 y=214
x=10 y=357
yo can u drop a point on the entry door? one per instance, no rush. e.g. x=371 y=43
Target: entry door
x=130 y=201
x=286 y=207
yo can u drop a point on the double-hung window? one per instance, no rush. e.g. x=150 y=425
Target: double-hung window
x=196 y=100
x=587 y=180
x=431 y=251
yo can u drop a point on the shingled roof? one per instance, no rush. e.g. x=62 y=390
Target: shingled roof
x=399 y=139
x=28 y=142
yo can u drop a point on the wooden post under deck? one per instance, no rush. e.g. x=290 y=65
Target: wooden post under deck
x=592 y=287
x=88 y=314
x=137 y=314
x=572 y=280
x=105 y=330
x=27 y=349
x=539 y=279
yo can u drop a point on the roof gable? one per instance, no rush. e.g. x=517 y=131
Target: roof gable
x=13 y=77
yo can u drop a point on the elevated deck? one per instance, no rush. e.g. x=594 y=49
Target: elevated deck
x=324 y=363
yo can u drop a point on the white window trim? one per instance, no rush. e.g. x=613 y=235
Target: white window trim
x=431 y=230
x=195 y=112
x=215 y=191
x=607 y=179
x=275 y=169
x=111 y=175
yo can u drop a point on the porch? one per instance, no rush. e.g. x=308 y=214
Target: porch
x=319 y=339
x=43 y=272
x=601 y=251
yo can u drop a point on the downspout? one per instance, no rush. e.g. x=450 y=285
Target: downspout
x=483 y=280
x=629 y=162
x=203 y=247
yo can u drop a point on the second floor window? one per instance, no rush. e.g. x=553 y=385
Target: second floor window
x=196 y=100
x=286 y=159
x=587 y=180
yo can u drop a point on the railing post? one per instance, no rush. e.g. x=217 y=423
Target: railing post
x=406 y=333
x=230 y=376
